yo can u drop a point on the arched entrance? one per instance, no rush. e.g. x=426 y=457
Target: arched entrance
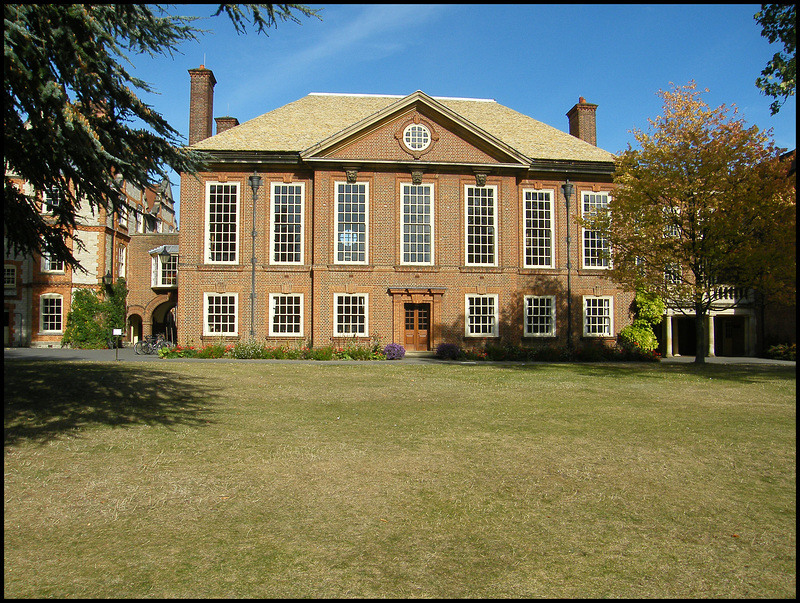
x=134 y=328
x=160 y=323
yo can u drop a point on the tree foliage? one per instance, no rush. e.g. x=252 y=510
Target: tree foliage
x=778 y=79
x=640 y=336
x=73 y=120
x=704 y=202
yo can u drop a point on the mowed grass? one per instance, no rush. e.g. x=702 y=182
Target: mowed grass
x=385 y=479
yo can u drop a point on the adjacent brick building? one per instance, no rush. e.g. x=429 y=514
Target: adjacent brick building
x=413 y=219
x=37 y=291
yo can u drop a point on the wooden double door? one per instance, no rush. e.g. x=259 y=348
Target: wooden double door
x=417 y=327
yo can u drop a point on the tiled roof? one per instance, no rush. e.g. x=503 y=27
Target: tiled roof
x=312 y=119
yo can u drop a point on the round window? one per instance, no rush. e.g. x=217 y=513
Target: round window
x=417 y=137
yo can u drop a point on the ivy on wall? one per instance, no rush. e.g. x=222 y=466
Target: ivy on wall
x=92 y=317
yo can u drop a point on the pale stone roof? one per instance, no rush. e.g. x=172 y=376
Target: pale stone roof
x=312 y=119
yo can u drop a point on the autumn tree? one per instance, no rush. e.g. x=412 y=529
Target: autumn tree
x=702 y=205
x=72 y=118
x=779 y=78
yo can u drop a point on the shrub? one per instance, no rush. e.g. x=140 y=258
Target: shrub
x=248 y=350
x=91 y=318
x=784 y=351
x=394 y=351
x=448 y=351
x=638 y=335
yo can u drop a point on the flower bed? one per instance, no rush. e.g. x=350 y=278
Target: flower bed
x=250 y=350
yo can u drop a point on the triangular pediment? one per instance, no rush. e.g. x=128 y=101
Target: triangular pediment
x=416 y=128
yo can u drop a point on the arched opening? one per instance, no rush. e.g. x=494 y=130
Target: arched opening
x=134 y=328
x=163 y=321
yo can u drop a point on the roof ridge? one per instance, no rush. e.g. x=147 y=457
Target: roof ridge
x=366 y=95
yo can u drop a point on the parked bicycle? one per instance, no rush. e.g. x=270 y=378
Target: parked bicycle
x=152 y=344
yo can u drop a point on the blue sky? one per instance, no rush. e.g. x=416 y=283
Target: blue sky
x=535 y=59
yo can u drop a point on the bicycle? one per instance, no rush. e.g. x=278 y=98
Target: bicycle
x=151 y=345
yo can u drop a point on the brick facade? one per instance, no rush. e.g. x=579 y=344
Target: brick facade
x=105 y=252
x=373 y=153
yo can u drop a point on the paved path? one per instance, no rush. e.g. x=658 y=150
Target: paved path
x=128 y=355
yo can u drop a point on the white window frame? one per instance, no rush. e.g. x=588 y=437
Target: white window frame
x=494 y=226
x=337 y=317
x=273 y=302
x=527 y=240
x=338 y=236
x=122 y=254
x=45 y=298
x=528 y=315
x=273 y=230
x=594 y=235
x=9 y=276
x=417 y=137
x=610 y=315
x=207 y=331
x=122 y=217
x=404 y=187
x=207 y=251
x=46 y=205
x=158 y=272
x=468 y=314
x=48 y=262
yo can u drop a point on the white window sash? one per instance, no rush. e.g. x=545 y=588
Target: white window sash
x=429 y=247
x=593 y=235
x=207 y=330
x=273 y=231
x=468 y=322
x=528 y=313
x=236 y=224
x=273 y=301
x=607 y=318
x=43 y=303
x=493 y=227
x=550 y=217
x=363 y=330
x=354 y=236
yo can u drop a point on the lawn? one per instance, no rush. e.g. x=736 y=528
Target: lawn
x=383 y=479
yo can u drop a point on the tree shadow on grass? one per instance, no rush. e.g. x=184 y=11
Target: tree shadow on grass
x=742 y=373
x=45 y=399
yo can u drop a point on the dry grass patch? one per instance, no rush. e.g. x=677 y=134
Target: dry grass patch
x=239 y=479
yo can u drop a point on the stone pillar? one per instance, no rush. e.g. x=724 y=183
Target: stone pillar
x=710 y=329
x=668 y=336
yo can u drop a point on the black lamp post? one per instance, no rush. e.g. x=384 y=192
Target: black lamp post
x=108 y=279
x=255 y=184
x=567 y=187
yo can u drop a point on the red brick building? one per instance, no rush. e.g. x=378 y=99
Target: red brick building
x=37 y=290
x=415 y=220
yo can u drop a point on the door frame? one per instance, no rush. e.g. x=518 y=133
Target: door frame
x=417 y=295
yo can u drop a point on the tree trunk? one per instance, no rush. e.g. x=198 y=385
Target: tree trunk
x=700 y=334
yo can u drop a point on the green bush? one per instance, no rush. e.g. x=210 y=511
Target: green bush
x=91 y=318
x=638 y=335
x=784 y=351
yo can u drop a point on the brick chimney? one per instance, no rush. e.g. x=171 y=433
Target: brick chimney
x=225 y=123
x=582 y=122
x=201 y=104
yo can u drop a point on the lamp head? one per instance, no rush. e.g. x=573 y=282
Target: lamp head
x=255 y=182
